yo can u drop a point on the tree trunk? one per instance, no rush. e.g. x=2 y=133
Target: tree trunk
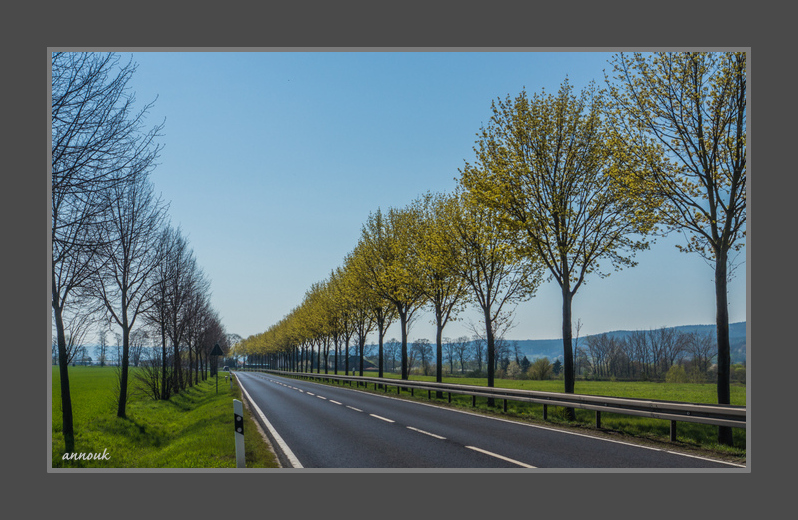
x=63 y=369
x=362 y=347
x=177 y=373
x=724 y=354
x=439 y=358
x=568 y=351
x=335 y=357
x=381 y=350
x=403 y=324
x=120 y=411
x=346 y=356
x=491 y=351
x=164 y=380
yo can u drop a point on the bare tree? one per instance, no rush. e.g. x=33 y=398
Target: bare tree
x=392 y=347
x=96 y=141
x=138 y=338
x=102 y=347
x=702 y=349
x=637 y=347
x=422 y=348
x=130 y=257
x=478 y=346
x=448 y=353
x=76 y=325
x=461 y=347
x=197 y=313
x=667 y=347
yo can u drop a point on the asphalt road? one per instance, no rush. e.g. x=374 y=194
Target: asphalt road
x=322 y=426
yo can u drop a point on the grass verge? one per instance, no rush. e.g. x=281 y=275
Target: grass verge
x=193 y=429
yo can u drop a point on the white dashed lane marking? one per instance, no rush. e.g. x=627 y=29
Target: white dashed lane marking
x=426 y=433
x=500 y=457
x=381 y=418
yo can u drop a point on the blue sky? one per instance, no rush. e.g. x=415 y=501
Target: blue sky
x=272 y=162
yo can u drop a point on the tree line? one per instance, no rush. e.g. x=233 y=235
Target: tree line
x=563 y=186
x=117 y=262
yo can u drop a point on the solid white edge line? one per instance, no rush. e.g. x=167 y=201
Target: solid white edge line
x=283 y=446
x=381 y=418
x=426 y=433
x=500 y=457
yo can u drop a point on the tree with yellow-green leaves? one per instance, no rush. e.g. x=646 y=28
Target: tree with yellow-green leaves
x=388 y=263
x=490 y=266
x=360 y=304
x=544 y=165
x=685 y=114
x=379 y=311
x=439 y=258
x=317 y=322
x=309 y=328
x=338 y=315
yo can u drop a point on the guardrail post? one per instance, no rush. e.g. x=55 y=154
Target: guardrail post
x=505 y=405
x=238 y=412
x=598 y=419
x=673 y=431
x=545 y=412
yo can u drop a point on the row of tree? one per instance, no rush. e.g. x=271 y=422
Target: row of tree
x=647 y=354
x=117 y=263
x=642 y=355
x=564 y=185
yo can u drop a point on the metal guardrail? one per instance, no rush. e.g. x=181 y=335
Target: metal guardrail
x=713 y=414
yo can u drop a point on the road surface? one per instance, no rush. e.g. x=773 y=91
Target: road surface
x=321 y=426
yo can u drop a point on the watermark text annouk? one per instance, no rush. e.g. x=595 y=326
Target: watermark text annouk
x=87 y=456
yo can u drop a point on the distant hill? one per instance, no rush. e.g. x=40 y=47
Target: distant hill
x=552 y=348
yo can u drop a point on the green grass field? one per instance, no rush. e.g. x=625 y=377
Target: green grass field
x=684 y=392
x=690 y=436
x=193 y=429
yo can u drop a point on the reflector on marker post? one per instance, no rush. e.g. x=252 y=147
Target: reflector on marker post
x=238 y=424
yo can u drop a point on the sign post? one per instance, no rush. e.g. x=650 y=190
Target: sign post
x=238 y=412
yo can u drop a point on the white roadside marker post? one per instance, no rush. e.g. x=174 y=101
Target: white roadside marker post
x=238 y=411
